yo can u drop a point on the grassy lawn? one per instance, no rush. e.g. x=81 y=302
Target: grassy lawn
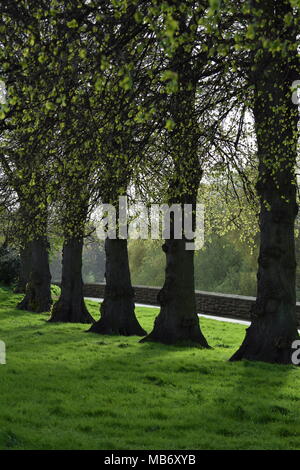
x=64 y=389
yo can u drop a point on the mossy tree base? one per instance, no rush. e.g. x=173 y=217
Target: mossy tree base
x=117 y=310
x=177 y=321
x=70 y=308
x=70 y=312
x=118 y=318
x=268 y=340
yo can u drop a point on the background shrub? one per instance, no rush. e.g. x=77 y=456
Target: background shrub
x=9 y=265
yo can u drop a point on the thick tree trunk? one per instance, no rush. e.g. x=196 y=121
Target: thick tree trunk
x=177 y=322
x=70 y=307
x=25 y=266
x=38 y=290
x=117 y=310
x=274 y=326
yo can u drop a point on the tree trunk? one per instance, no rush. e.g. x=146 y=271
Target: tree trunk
x=117 y=310
x=274 y=326
x=177 y=322
x=70 y=307
x=38 y=290
x=24 y=275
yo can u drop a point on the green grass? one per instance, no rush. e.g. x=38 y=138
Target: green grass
x=64 y=389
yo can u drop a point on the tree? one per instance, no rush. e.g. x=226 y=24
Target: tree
x=29 y=180
x=177 y=321
x=123 y=98
x=70 y=307
x=73 y=167
x=271 y=37
x=25 y=150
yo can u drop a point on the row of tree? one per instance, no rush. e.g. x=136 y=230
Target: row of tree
x=149 y=98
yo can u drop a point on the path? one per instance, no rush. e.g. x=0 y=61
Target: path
x=211 y=317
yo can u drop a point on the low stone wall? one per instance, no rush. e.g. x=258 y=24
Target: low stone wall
x=208 y=303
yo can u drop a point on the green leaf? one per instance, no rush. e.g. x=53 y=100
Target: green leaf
x=170 y=124
x=171 y=26
x=42 y=58
x=82 y=53
x=126 y=83
x=49 y=105
x=138 y=17
x=169 y=75
x=250 y=32
x=72 y=24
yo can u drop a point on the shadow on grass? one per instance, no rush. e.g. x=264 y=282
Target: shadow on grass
x=255 y=395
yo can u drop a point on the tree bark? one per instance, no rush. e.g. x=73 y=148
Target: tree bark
x=117 y=310
x=22 y=234
x=70 y=307
x=177 y=322
x=38 y=290
x=25 y=266
x=274 y=325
